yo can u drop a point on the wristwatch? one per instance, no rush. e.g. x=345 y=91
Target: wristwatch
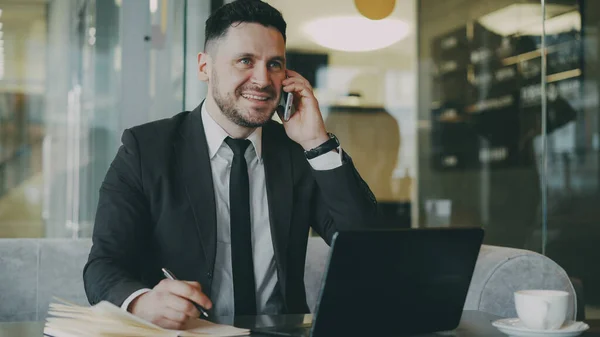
x=332 y=144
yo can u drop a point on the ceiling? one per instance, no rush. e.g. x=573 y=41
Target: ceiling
x=297 y=13
x=19 y=14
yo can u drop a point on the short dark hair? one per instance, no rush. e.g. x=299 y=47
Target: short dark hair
x=239 y=11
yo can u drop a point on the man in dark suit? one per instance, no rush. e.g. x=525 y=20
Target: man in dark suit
x=223 y=196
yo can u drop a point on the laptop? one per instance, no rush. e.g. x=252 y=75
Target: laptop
x=392 y=282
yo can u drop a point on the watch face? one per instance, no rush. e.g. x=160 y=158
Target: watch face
x=331 y=135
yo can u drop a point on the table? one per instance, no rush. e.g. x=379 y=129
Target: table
x=473 y=324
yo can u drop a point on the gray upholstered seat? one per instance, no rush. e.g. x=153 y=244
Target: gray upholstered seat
x=501 y=271
x=32 y=271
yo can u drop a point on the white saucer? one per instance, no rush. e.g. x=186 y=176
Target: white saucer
x=514 y=327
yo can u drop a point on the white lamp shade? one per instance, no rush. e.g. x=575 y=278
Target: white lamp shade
x=356 y=33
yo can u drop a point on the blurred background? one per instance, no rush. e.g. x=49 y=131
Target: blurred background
x=450 y=109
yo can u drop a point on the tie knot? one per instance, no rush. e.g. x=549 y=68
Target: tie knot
x=238 y=146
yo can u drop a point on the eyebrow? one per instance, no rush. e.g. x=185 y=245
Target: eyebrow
x=250 y=55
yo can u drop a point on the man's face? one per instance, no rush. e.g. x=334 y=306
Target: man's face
x=248 y=66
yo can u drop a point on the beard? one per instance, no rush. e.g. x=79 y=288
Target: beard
x=251 y=118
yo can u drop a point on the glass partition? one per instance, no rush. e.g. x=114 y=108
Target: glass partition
x=23 y=52
x=572 y=170
x=73 y=75
x=479 y=97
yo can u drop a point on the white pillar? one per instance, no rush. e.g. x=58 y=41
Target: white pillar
x=195 y=90
x=135 y=53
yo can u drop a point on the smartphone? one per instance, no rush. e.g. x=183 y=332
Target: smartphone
x=288 y=106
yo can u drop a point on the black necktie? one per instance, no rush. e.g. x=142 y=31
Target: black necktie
x=241 y=238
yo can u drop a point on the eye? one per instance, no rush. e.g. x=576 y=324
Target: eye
x=275 y=65
x=245 y=61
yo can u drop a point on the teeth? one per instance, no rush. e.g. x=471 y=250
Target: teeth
x=260 y=98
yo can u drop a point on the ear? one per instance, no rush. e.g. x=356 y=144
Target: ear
x=203 y=60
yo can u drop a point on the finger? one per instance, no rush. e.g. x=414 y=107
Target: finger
x=180 y=304
x=290 y=80
x=187 y=291
x=168 y=324
x=293 y=80
x=194 y=284
x=167 y=285
x=175 y=316
x=301 y=89
x=292 y=74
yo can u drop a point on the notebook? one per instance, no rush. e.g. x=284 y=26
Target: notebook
x=105 y=319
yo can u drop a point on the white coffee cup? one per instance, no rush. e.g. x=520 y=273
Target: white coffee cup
x=542 y=309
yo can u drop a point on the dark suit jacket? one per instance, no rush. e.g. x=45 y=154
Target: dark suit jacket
x=157 y=209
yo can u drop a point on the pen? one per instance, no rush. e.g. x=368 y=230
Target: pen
x=171 y=276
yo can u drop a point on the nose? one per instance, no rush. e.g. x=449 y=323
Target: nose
x=260 y=76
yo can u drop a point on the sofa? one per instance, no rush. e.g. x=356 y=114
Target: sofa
x=33 y=271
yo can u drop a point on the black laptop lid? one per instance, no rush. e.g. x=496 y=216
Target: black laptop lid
x=396 y=282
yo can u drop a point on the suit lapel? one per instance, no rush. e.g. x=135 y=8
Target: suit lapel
x=279 y=179
x=192 y=155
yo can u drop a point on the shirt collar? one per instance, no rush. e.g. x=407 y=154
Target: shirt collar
x=215 y=135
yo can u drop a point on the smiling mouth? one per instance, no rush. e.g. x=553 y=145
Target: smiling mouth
x=256 y=98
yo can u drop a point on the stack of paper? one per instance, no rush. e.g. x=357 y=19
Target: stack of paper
x=105 y=319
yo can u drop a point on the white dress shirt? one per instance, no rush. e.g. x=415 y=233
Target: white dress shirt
x=268 y=296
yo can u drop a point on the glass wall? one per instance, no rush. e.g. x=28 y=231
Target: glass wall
x=572 y=177
x=23 y=52
x=74 y=75
x=450 y=109
x=508 y=101
x=480 y=73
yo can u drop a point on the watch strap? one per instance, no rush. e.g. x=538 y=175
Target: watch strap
x=329 y=145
